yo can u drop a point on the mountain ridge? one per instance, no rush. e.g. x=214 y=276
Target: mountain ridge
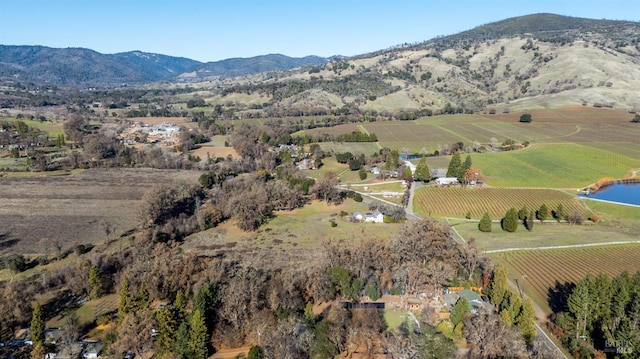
x=75 y=66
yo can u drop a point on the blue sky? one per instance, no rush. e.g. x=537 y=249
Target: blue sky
x=218 y=29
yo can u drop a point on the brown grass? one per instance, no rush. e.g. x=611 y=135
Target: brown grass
x=214 y=152
x=36 y=212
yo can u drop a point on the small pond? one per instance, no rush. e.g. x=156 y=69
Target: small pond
x=628 y=193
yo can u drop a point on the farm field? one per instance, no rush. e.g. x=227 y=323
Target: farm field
x=457 y=201
x=549 y=234
x=37 y=212
x=544 y=269
x=561 y=165
x=601 y=128
x=89 y=311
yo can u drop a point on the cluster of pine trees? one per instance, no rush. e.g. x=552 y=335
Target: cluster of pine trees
x=602 y=314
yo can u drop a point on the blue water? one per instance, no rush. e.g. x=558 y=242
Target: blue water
x=619 y=192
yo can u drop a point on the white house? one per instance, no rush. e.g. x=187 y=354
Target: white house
x=410 y=166
x=375 y=217
x=446 y=181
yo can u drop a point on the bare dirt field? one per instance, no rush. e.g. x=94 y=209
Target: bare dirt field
x=37 y=212
x=214 y=151
x=159 y=120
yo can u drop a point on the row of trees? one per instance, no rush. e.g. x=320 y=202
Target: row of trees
x=513 y=217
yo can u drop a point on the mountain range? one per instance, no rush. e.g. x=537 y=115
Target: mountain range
x=85 y=67
x=539 y=60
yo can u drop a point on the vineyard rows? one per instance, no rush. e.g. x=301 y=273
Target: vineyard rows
x=545 y=268
x=456 y=201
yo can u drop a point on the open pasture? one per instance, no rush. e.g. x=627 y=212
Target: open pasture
x=561 y=165
x=457 y=201
x=38 y=212
x=545 y=269
x=548 y=234
x=52 y=127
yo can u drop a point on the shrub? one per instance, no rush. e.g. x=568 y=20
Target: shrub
x=528 y=222
x=522 y=213
x=362 y=173
x=485 y=223
x=510 y=220
x=334 y=224
x=525 y=118
x=576 y=218
x=543 y=213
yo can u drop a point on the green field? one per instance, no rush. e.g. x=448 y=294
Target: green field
x=51 y=127
x=561 y=165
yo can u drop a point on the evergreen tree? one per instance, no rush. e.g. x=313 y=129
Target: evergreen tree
x=506 y=317
x=362 y=173
x=459 y=310
x=255 y=352
x=528 y=222
x=166 y=326
x=498 y=286
x=580 y=307
x=37 y=332
x=513 y=304
x=560 y=213
x=392 y=160
x=485 y=223
x=180 y=306
x=126 y=300
x=182 y=339
x=309 y=315
x=95 y=282
x=543 y=213
x=463 y=168
x=197 y=347
x=142 y=297
x=206 y=301
x=510 y=221
x=523 y=213
x=372 y=290
x=422 y=171
x=454 y=165
x=527 y=321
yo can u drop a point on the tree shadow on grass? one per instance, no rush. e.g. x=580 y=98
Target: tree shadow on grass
x=6 y=241
x=558 y=295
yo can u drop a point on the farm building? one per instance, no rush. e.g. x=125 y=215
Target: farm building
x=446 y=181
x=410 y=166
